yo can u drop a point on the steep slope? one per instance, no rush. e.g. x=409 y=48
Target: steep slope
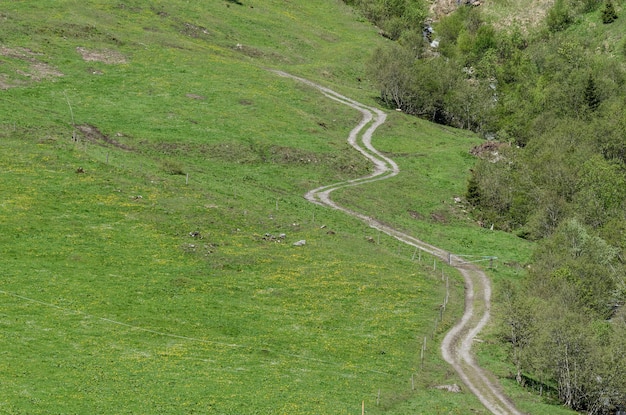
x=150 y=164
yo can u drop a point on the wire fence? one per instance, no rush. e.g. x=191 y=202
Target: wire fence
x=449 y=261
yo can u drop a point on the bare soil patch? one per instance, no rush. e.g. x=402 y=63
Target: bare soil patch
x=37 y=70
x=108 y=56
x=5 y=83
x=93 y=134
x=196 y=96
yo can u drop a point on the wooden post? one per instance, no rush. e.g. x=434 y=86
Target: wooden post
x=449 y=258
x=378 y=398
x=363 y=408
x=107 y=158
x=435 y=264
x=187 y=179
x=412 y=383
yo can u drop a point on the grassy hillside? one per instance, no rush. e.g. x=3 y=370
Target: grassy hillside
x=148 y=161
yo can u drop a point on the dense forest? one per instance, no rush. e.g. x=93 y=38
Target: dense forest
x=550 y=103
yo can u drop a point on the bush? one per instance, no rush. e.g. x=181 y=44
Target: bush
x=559 y=17
x=172 y=167
x=609 y=14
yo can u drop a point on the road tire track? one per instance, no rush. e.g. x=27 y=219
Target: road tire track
x=456 y=345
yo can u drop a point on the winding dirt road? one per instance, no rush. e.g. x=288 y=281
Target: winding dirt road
x=456 y=346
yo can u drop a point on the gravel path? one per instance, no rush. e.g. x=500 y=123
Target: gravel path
x=456 y=346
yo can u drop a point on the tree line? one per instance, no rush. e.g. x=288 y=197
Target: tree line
x=554 y=99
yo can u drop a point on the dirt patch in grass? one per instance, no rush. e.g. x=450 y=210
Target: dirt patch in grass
x=257 y=53
x=439 y=217
x=36 y=71
x=108 y=56
x=5 y=83
x=415 y=215
x=196 y=96
x=42 y=70
x=93 y=134
x=18 y=53
x=194 y=31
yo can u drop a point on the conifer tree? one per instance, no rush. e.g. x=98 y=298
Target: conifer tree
x=592 y=97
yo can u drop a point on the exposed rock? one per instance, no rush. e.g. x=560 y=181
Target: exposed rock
x=454 y=388
x=489 y=150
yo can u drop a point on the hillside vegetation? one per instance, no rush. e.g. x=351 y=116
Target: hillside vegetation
x=549 y=97
x=149 y=163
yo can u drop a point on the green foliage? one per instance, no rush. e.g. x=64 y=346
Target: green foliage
x=559 y=16
x=609 y=14
x=465 y=35
x=558 y=100
x=473 y=191
x=592 y=98
x=394 y=17
x=602 y=191
x=172 y=167
x=392 y=69
x=559 y=330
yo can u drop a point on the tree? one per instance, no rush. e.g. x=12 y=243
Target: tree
x=392 y=69
x=577 y=262
x=601 y=191
x=592 y=97
x=519 y=324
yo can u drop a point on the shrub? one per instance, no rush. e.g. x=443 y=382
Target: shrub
x=609 y=14
x=559 y=17
x=172 y=167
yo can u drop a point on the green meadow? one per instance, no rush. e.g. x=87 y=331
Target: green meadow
x=149 y=163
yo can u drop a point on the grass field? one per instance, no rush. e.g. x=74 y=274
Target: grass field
x=148 y=160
